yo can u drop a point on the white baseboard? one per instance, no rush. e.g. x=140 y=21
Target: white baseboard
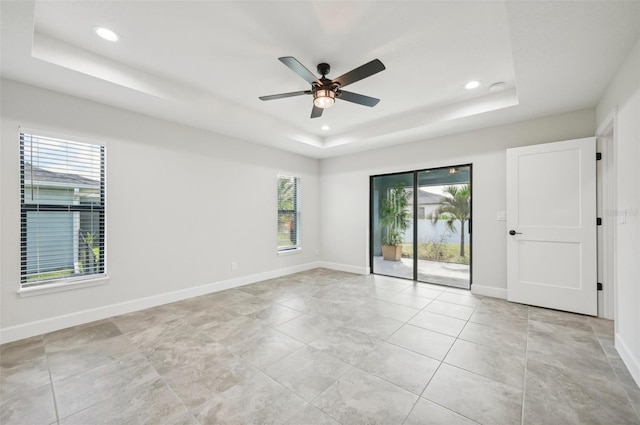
x=489 y=291
x=632 y=363
x=40 y=327
x=344 y=267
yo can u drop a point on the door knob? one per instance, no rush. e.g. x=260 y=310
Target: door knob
x=513 y=232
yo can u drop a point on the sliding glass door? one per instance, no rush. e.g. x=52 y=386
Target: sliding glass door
x=427 y=214
x=391 y=225
x=443 y=222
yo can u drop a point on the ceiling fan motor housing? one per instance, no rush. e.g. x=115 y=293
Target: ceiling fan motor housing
x=323 y=69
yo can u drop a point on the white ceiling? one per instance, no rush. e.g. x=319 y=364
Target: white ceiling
x=204 y=63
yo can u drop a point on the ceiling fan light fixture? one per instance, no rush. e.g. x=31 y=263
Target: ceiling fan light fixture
x=324 y=98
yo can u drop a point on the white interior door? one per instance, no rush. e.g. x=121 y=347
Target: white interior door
x=551 y=220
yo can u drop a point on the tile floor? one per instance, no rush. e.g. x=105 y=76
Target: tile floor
x=323 y=347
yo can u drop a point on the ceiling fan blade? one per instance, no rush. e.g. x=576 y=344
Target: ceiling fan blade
x=360 y=99
x=299 y=69
x=316 y=112
x=283 y=95
x=364 y=71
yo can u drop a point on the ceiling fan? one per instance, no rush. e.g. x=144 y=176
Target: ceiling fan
x=326 y=91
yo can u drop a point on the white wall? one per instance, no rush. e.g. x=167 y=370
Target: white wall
x=345 y=189
x=622 y=102
x=182 y=204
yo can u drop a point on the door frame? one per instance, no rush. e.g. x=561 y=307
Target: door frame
x=578 y=231
x=606 y=136
x=415 y=214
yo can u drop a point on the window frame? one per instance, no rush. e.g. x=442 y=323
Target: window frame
x=296 y=212
x=46 y=285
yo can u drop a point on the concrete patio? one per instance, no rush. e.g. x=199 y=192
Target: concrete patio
x=450 y=274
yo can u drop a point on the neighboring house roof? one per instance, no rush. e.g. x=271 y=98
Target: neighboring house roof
x=41 y=175
x=426 y=198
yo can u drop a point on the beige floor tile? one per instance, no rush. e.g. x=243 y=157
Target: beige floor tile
x=311 y=415
x=402 y=367
x=438 y=322
x=197 y=383
x=467 y=299
x=561 y=318
x=481 y=399
x=308 y=371
x=80 y=391
x=502 y=320
x=153 y=402
x=256 y=400
x=426 y=412
x=412 y=301
x=67 y=362
x=33 y=406
x=374 y=325
x=556 y=395
x=499 y=338
x=324 y=347
x=452 y=310
x=236 y=330
x=275 y=314
x=140 y=320
x=424 y=291
x=361 y=398
x=308 y=327
x=23 y=367
x=393 y=311
x=423 y=341
x=265 y=348
x=502 y=366
x=346 y=344
x=77 y=336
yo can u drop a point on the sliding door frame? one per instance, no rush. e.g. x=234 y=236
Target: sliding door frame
x=415 y=222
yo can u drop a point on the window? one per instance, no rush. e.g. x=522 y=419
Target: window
x=62 y=210
x=288 y=213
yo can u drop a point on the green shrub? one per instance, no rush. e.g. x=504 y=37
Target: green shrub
x=433 y=251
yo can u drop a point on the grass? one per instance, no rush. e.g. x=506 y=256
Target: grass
x=284 y=240
x=62 y=273
x=444 y=252
x=56 y=274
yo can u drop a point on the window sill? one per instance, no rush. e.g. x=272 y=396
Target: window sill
x=63 y=286
x=286 y=252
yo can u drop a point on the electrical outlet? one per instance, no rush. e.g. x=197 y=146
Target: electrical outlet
x=234 y=266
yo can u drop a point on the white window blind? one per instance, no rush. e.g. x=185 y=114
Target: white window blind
x=62 y=206
x=288 y=213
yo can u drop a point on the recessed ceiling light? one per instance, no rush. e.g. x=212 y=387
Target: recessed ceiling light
x=106 y=33
x=325 y=128
x=473 y=84
x=499 y=86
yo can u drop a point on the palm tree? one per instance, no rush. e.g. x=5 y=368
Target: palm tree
x=286 y=193
x=455 y=205
x=395 y=215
